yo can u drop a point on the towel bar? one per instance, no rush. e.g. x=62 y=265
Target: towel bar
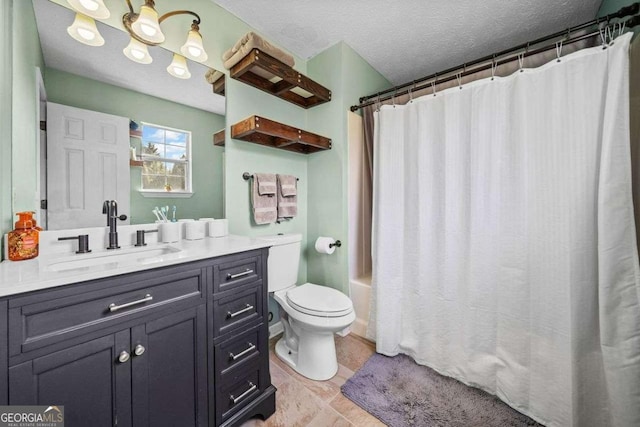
x=247 y=176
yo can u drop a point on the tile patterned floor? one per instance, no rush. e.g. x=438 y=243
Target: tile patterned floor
x=301 y=402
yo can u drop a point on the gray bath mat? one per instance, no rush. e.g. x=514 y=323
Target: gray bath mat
x=400 y=392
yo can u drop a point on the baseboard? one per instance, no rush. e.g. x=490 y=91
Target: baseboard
x=359 y=328
x=343 y=333
x=275 y=329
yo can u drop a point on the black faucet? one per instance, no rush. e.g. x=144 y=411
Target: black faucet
x=110 y=208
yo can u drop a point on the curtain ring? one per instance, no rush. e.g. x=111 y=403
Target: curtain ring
x=433 y=85
x=378 y=103
x=410 y=90
x=494 y=67
x=521 y=61
x=393 y=98
x=459 y=77
x=559 y=50
x=603 y=37
x=609 y=32
x=622 y=28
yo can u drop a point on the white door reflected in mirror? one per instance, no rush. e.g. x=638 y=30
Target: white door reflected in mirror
x=87 y=163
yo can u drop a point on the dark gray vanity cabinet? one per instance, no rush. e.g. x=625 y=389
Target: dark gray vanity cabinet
x=239 y=325
x=4 y=355
x=144 y=349
x=86 y=378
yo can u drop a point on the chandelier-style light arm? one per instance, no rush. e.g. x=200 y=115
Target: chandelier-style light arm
x=180 y=12
x=130 y=6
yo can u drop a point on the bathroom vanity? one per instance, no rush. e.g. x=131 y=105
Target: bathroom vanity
x=178 y=342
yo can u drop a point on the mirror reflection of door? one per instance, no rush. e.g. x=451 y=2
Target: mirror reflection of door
x=87 y=163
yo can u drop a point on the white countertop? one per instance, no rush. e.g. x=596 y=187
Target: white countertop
x=36 y=274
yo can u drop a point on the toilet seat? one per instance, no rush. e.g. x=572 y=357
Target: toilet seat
x=320 y=301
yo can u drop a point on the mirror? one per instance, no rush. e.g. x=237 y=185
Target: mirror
x=102 y=79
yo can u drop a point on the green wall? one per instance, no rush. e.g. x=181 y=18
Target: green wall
x=350 y=77
x=207 y=175
x=5 y=116
x=27 y=55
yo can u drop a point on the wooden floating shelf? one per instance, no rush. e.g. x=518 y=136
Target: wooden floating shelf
x=218 y=86
x=136 y=163
x=277 y=135
x=266 y=73
x=135 y=133
x=218 y=138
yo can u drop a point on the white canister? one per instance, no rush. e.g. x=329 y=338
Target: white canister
x=218 y=228
x=194 y=230
x=183 y=228
x=169 y=232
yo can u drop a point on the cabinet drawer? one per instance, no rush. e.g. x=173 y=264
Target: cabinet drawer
x=238 y=391
x=237 y=310
x=47 y=318
x=236 y=271
x=240 y=351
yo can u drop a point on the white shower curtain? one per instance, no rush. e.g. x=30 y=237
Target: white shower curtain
x=504 y=249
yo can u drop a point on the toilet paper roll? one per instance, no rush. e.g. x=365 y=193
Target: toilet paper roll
x=322 y=245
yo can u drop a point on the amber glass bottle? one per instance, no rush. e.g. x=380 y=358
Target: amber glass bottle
x=24 y=239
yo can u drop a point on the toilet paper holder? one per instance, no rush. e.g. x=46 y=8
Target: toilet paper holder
x=337 y=244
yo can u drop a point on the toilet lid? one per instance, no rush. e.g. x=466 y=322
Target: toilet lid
x=319 y=300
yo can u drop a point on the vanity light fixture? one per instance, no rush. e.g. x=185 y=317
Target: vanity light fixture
x=144 y=28
x=85 y=31
x=178 y=67
x=92 y=8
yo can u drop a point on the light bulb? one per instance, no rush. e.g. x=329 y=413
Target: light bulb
x=92 y=8
x=193 y=48
x=178 y=67
x=85 y=31
x=147 y=27
x=137 y=52
x=90 y=4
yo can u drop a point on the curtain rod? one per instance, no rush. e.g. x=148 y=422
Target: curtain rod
x=425 y=82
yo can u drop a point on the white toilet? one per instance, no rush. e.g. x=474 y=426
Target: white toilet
x=310 y=314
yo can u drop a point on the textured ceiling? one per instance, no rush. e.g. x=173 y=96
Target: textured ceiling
x=109 y=65
x=408 y=39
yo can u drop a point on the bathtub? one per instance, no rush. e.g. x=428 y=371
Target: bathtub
x=360 y=289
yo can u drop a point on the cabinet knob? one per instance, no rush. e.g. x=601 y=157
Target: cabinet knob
x=139 y=350
x=123 y=357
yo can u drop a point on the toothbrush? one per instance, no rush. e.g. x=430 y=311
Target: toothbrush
x=174 y=214
x=155 y=212
x=163 y=213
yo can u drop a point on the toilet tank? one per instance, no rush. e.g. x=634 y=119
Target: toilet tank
x=284 y=259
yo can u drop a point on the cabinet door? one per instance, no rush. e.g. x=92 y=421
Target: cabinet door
x=88 y=379
x=169 y=368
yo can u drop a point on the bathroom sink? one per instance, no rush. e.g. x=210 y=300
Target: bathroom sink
x=113 y=259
